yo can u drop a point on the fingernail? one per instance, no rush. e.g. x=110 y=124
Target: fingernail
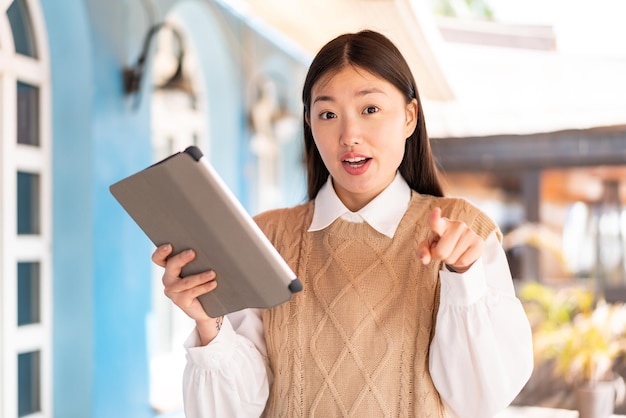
x=166 y=247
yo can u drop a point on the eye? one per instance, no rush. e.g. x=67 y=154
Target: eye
x=370 y=109
x=327 y=115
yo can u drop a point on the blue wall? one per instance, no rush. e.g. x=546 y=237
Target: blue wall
x=102 y=272
x=101 y=293
x=122 y=275
x=101 y=260
x=73 y=301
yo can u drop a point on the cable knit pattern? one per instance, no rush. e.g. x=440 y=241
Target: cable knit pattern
x=355 y=341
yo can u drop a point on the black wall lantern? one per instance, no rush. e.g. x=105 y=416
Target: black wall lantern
x=132 y=76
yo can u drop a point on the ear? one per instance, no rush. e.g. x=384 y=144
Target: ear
x=411 y=118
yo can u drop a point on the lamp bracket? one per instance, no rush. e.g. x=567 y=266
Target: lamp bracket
x=132 y=75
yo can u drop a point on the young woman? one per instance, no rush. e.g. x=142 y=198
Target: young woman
x=408 y=307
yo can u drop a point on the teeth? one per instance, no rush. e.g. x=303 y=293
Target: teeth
x=354 y=160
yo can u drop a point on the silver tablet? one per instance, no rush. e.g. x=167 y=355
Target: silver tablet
x=181 y=200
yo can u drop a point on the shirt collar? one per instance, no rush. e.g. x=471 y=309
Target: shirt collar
x=379 y=213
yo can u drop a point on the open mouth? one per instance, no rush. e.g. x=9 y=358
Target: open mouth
x=356 y=162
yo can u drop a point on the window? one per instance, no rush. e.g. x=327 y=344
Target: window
x=22 y=28
x=28 y=383
x=28 y=293
x=25 y=214
x=27 y=114
x=28 y=192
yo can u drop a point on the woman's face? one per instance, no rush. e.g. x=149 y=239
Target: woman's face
x=360 y=123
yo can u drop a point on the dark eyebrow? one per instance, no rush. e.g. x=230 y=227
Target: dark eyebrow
x=323 y=99
x=369 y=91
x=364 y=92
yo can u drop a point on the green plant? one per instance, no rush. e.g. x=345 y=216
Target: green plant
x=584 y=338
x=586 y=349
x=549 y=308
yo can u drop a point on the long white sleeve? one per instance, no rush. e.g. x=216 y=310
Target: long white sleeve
x=481 y=353
x=229 y=376
x=480 y=357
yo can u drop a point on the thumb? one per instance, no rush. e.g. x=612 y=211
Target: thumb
x=423 y=251
x=436 y=222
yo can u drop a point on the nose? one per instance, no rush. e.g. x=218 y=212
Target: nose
x=351 y=132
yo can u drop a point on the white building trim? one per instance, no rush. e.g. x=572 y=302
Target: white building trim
x=16 y=248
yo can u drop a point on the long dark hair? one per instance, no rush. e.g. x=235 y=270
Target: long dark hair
x=375 y=53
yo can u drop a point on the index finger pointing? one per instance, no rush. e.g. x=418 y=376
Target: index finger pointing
x=436 y=222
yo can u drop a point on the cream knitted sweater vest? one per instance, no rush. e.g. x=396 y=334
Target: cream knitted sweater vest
x=355 y=341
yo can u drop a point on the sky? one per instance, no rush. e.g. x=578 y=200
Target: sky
x=581 y=26
x=580 y=85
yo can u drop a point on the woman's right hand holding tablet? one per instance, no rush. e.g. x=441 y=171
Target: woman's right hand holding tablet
x=184 y=292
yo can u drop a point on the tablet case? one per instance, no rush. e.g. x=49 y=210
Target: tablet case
x=181 y=200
